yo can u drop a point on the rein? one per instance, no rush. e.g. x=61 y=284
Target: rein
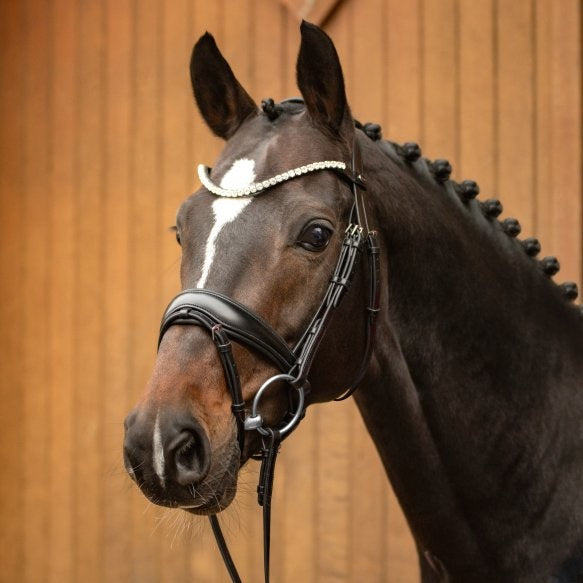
x=226 y=319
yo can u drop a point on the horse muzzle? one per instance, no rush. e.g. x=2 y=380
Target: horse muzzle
x=168 y=455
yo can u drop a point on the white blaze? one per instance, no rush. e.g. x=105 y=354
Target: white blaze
x=158 y=451
x=226 y=210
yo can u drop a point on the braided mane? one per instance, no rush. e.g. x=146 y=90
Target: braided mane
x=467 y=190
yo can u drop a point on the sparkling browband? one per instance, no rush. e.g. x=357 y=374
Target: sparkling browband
x=257 y=187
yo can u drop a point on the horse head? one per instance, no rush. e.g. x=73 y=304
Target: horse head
x=259 y=240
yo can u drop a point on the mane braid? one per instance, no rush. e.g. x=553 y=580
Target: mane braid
x=271 y=110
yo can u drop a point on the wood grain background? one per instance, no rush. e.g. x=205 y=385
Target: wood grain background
x=99 y=141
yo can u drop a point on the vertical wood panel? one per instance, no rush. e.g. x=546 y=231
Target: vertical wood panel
x=89 y=329
x=403 y=75
x=99 y=141
x=35 y=258
x=13 y=227
x=365 y=82
x=62 y=297
x=264 y=29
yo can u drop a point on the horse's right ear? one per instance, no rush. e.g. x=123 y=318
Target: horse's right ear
x=222 y=101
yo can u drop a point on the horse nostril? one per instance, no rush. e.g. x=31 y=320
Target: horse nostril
x=190 y=458
x=185 y=455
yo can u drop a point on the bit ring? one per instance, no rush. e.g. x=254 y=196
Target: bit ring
x=255 y=421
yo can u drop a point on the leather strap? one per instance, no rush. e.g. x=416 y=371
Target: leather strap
x=356 y=180
x=224 y=549
x=225 y=351
x=264 y=492
x=339 y=284
x=373 y=310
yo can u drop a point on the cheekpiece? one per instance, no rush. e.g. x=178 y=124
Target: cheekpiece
x=258 y=187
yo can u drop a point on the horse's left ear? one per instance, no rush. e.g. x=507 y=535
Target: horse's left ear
x=320 y=80
x=221 y=99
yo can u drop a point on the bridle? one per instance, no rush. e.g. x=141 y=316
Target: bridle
x=226 y=319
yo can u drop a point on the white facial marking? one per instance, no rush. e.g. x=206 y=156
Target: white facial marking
x=226 y=210
x=158 y=452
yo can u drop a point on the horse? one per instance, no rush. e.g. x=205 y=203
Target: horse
x=466 y=354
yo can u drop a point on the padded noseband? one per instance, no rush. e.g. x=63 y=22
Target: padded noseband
x=205 y=307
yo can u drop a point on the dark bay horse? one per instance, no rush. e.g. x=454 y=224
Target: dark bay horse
x=473 y=393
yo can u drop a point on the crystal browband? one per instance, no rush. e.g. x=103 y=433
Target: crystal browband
x=257 y=187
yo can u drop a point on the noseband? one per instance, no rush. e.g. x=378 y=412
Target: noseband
x=226 y=319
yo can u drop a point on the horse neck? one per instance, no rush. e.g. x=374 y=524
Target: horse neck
x=477 y=365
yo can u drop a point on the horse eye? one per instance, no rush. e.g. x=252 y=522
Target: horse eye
x=178 y=238
x=315 y=238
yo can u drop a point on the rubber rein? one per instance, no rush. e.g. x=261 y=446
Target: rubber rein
x=226 y=319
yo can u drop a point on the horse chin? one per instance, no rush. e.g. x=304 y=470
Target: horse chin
x=215 y=505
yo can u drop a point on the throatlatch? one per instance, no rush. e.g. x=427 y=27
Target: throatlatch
x=226 y=319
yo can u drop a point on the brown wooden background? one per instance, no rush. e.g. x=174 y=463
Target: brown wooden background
x=99 y=141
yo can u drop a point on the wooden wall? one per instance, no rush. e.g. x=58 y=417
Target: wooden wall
x=99 y=141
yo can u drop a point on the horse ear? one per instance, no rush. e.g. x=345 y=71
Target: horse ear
x=320 y=80
x=222 y=101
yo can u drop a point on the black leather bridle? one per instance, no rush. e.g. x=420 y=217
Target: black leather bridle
x=226 y=319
